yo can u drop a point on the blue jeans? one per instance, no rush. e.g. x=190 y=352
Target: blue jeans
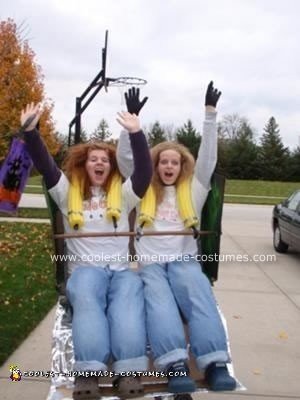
x=182 y=285
x=108 y=319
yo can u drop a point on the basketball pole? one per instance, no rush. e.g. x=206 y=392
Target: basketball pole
x=93 y=89
x=96 y=84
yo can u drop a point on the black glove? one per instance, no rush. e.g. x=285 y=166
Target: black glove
x=134 y=105
x=212 y=95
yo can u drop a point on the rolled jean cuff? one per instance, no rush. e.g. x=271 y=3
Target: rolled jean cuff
x=131 y=365
x=217 y=356
x=162 y=362
x=93 y=365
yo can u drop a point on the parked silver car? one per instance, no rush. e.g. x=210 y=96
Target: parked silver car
x=286 y=224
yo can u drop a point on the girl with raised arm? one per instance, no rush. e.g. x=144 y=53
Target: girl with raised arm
x=106 y=296
x=174 y=282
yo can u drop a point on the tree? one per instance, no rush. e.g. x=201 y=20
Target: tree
x=293 y=172
x=242 y=154
x=223 y=146
x=170 y=132
x=230 y=126
x=102 y=132
x=273 y=156
x=189 y=137
x=21 y=82
x=63 y=148
x=237 y=151
x=83 y=136
x=156 y=134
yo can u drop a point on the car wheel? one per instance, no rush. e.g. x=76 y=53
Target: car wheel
x=278 y=244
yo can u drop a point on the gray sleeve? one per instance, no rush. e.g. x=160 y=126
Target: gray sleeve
x=207 y=155
x=124 y=155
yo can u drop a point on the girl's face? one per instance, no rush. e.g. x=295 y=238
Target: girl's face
x=98 y=167
x=169 y=166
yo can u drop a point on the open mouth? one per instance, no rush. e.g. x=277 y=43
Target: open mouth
x=99 y=173
x=168 y=174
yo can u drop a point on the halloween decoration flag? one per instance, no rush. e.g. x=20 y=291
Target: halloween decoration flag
x=15 y=170
x=14 y=173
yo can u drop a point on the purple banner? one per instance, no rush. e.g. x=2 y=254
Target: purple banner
x=14 y=173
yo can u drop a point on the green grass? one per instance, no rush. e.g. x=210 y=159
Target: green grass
x=34 y=181
x=27 y=281
x=33 y=190
x=243 y=200
x=24 y=212
x=275 y=192
x=261 y=188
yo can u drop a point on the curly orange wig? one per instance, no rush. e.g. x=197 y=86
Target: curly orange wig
x=76 y=159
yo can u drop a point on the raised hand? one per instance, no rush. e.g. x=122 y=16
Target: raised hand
x=212 y=95
x=129 y=121
x=133 y=103
x=30 y=116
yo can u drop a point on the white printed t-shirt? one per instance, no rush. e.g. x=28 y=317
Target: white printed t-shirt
x=96 y=251
x=161 y=249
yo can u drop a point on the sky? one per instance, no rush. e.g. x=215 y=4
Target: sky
x=249 y=48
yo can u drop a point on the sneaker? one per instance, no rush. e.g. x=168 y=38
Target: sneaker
x=86 y=388
x=179 y=380
x=218 y=378
x=129 y=387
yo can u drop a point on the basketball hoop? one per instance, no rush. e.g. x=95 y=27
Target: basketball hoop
x=100 y=81
x=123 y=83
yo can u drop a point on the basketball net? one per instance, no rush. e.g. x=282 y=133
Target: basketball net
x=125 y=83
x=122 y=90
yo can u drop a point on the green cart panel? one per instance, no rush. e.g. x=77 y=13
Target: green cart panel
x=211 y=220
